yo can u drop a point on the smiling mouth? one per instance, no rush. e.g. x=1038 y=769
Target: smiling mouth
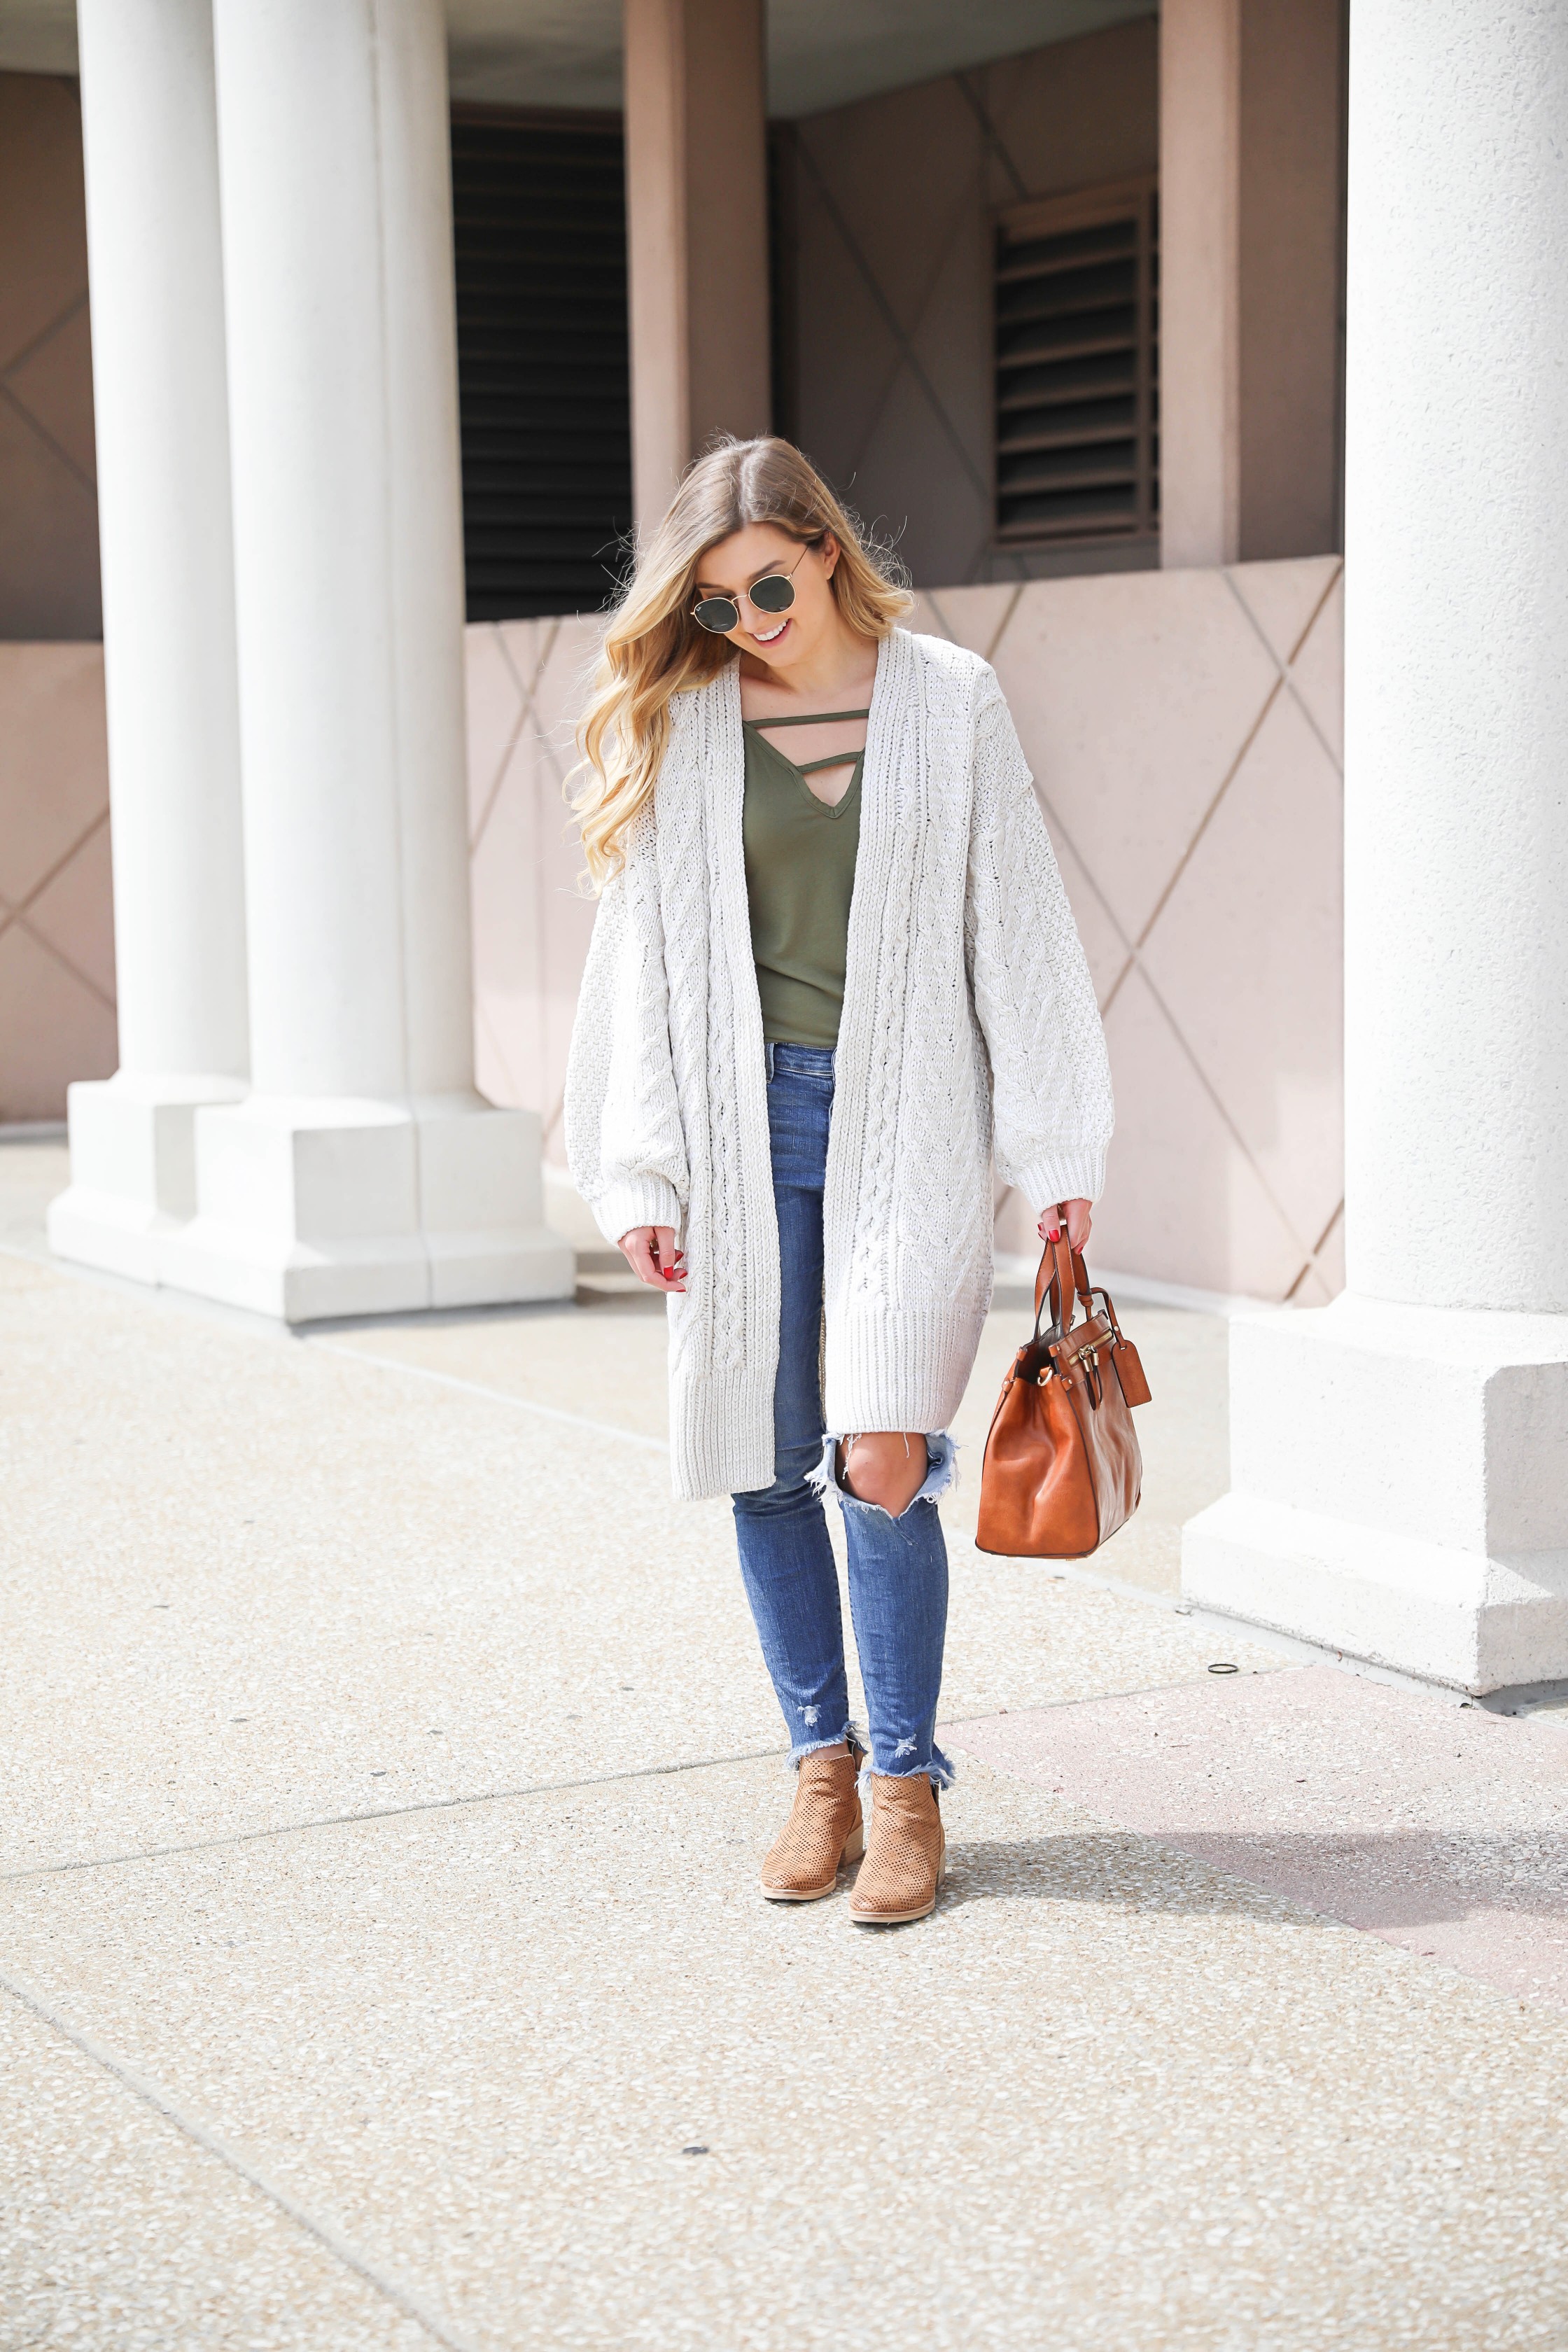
x=773 y=636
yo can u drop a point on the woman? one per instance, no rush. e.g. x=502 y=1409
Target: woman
x=834 y=983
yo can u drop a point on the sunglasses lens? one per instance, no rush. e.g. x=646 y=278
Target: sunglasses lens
x=774 y=595
x=720 y=613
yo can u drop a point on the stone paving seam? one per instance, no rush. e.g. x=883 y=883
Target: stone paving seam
x=506 y=1796
x=403 y=2297
x=1221 y=1623
x=951 y=1726
x=1073 y=1572
x=1230 y=1629
x=426 y=1805
x=528 y=1788
x=496 y=1396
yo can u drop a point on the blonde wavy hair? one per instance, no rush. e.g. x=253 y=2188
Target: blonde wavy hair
x=654 y=649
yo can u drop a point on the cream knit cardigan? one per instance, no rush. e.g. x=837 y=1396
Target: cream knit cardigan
x=970 y=1041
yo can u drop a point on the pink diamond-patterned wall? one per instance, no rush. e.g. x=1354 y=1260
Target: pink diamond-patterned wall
x=1183 y=729
x=57 y=916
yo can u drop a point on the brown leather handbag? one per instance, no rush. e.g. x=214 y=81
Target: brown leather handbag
x=1062 y=1468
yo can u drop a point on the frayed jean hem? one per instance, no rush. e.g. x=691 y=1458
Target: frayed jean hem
x=805 y=1748
x=940 y=1772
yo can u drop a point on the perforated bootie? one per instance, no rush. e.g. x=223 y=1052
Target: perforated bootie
x=906 y=1854
x=823 y=1831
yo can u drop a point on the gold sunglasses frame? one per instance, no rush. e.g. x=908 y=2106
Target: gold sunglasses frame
x=746 y=595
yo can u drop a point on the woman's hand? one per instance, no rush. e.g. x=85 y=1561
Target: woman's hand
x=650 y=1252
x=1078 y=1223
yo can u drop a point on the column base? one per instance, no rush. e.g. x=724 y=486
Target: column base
x=1400 y=1490
x=133 y=1167
x=313 y=1209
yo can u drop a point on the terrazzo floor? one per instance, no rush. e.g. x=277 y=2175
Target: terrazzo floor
x=381 y=1965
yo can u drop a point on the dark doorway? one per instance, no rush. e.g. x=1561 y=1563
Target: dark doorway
x=539 y=209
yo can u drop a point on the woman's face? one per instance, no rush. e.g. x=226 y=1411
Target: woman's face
x=778 y=639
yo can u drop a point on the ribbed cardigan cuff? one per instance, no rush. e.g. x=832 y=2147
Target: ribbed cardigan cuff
x=1079 y=1176
x=640 y=1201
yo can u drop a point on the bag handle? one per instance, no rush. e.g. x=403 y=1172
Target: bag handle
x=1067 y=1279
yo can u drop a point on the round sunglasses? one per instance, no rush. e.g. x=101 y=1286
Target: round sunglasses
x=774 y=594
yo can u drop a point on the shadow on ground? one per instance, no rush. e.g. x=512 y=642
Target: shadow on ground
x=1390 y=1884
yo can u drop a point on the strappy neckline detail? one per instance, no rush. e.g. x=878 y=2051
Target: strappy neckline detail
x=811 y=719
x=810 y=767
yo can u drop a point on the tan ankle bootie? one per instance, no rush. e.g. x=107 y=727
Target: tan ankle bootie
x=823 y=1829
x=906 y=1854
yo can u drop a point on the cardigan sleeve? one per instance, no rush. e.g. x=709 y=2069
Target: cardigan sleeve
x=625 y=1143
x=1051 y=1105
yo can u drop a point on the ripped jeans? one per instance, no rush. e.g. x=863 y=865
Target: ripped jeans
x=897 y=1568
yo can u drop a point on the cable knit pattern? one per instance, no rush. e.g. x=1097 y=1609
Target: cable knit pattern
x=970 y=1042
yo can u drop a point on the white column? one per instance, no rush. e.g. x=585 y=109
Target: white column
x=1400 y=1459
x=364 y=1174
x=161 y=405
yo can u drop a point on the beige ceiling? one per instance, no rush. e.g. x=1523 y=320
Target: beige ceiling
x=821 y=53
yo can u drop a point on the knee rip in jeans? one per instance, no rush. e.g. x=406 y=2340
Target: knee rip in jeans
x=941 y=1458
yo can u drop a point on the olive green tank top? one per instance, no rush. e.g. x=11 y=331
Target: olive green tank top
x=800 y=875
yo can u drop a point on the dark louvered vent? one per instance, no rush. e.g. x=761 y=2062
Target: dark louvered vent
x=1077 y=367
x=539 y=207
